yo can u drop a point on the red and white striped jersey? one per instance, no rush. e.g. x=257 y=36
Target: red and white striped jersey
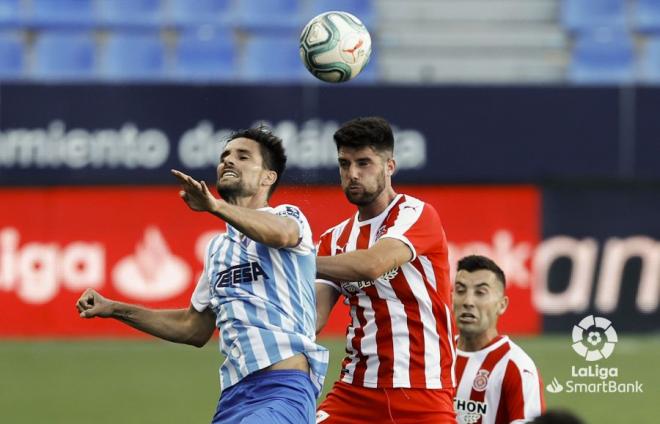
x=401 y=329
x=497 y=384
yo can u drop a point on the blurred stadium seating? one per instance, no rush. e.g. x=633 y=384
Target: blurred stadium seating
x=129 y=13
x=11 y=59
x=133 y=56
x=418 y=41
x=64 y=55
x=603 y=56
x=205 y=54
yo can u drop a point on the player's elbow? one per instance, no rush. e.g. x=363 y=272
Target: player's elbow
x=198 y=340
x=199 y=343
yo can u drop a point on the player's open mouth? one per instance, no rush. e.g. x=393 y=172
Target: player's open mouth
x=229 y=174
x=467 y=317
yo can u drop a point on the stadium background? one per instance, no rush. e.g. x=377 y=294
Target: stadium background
x=531 y=125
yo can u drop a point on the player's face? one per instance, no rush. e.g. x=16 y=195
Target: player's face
x=478 y=301
x=240 y=171
x=363 y=174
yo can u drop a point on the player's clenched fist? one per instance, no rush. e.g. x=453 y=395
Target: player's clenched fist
x=91 y=304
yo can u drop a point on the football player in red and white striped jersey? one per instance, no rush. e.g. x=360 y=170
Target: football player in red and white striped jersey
x=497 y=381
x=390 y=263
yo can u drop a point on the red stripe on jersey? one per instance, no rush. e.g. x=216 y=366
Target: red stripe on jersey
x=512 y=403
x=447 y=345
x=487 y=365
x=384 y=344
x=394 y=213
x=417 y=364
x=362 y=242
x=461 y=362
x=361 y=365
x=541 y=393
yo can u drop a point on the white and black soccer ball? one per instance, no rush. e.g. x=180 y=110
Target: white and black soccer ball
x=335 y=46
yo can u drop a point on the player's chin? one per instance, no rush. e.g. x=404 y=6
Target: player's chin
x=358 y=199
x=468 y=327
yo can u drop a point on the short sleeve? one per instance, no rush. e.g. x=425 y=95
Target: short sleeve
x=201 y=297
x=324 y=248
x=418 y=226
x=521 y=392
x=305 y=244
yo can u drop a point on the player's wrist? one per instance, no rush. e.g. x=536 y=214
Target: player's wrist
x=217 y=206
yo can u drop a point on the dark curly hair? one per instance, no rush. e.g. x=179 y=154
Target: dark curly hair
x=370 y=131
x=270 y=147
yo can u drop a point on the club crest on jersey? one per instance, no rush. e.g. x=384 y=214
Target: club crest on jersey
x=480 y=381
x=239 y=274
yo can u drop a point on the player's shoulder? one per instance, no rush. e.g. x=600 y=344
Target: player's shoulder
x=519 y=357
x=337 y=229
x=412 y=203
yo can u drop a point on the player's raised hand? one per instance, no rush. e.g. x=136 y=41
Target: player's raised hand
x=196 y=194
x=91 y=304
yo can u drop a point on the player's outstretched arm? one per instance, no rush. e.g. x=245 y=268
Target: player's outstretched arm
x=364 y=264
x=186 y=326
x=326 y=298
x=263 y=227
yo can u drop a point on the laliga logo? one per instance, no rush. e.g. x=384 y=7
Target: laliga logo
x=594 y=338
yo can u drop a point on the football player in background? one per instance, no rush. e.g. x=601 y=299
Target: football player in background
x=497 y=381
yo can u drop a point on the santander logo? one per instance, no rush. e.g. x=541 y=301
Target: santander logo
x=151 y=272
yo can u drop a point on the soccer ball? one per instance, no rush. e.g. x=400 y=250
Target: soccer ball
x=335 y=46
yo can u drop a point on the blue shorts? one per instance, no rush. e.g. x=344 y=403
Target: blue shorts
x=277 y=397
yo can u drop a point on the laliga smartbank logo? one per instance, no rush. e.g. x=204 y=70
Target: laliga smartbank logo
x=594 y=339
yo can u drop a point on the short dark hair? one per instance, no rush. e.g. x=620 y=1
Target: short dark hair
x=371 y=131
x=477 y=263
x=271 y=148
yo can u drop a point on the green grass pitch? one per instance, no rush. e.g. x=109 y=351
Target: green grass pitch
x=128 y=381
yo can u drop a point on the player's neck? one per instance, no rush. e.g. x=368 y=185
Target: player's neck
x=475 y=342
x=251 y=202
x=378 y=205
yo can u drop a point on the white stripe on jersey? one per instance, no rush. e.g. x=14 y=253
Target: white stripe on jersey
x=449 y=318
x=264 y=300
x=401 y=372
x=431 y=337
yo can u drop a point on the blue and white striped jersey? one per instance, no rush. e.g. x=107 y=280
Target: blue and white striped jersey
x=264 y=301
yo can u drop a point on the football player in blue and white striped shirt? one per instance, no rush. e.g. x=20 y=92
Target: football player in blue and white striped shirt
x=257 y=288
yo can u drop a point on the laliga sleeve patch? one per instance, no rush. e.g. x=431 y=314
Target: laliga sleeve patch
x=290 y=211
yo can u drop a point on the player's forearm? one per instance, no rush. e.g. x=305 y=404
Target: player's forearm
x=353 y=266
x=168 y=325
x=262 y=227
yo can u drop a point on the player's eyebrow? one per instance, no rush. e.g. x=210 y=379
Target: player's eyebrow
x=238 y=151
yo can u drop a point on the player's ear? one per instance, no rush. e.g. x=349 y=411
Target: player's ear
x=390 y=167
x=268 y=178
x=503 y=305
